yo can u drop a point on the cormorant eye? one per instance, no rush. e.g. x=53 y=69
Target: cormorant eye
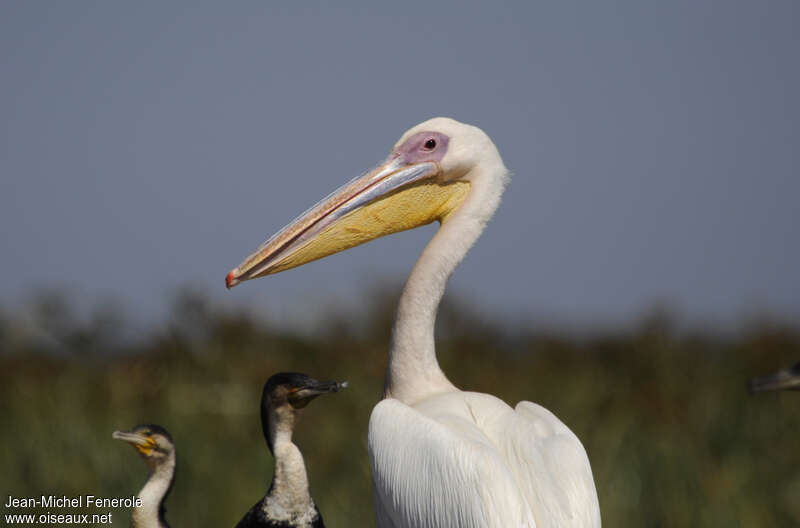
x=430 y=144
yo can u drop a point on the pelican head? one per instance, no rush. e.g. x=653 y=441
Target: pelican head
x=426 y=177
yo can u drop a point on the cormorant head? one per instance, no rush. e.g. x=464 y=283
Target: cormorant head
x=284 y=395
x=153 y=442
x=786 y=379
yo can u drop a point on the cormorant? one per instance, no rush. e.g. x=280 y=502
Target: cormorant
x=786 y=379
x=155 y=445
x=288 y=503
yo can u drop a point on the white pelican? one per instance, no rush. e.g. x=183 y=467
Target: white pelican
x=440 y=457
x=786 y=379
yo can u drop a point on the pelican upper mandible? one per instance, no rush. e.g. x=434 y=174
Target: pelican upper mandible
x=440 y=457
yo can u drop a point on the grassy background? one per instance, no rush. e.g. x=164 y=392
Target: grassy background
x=672 y=434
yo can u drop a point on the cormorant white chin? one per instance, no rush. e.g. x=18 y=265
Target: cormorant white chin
x=156 y=447
x=288 y=503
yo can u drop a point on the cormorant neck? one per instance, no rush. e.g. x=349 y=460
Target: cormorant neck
x=159 y=483
x=413 y=372
x=289 y=497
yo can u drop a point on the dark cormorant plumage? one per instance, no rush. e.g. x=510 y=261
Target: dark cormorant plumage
x=155 y=445
x=786 y=379
x=288 y=502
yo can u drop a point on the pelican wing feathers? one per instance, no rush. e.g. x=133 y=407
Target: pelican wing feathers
x=464 y=459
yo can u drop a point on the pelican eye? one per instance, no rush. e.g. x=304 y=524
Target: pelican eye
x=430 y=144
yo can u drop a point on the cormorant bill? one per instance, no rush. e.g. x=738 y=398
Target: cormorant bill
x=156 y=447
x=288 y=503
x=786 y=379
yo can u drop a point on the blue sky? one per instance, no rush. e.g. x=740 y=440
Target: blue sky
x=654 y=148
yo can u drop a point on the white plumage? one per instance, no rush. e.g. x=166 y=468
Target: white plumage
x=468 y=459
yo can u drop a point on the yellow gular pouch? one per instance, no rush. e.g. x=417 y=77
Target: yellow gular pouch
x=406 y=208
x=146 y=449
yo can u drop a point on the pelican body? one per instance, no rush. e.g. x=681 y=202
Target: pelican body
x=440 y=457
x=156 y=447
x=288 y=503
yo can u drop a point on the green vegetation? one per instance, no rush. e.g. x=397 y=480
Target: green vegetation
x=673 y=436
